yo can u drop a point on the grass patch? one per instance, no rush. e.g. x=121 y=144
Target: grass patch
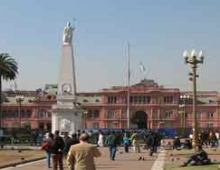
x=175 y=166
x=14 y=156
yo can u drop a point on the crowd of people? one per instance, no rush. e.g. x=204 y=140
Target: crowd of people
x=77 y=150
x=79 y=153
x=206 y=139
x=211 y=138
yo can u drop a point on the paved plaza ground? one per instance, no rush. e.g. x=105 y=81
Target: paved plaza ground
x=123 y=162
x=14 y=156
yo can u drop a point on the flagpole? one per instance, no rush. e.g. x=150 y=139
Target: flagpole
x=128 y=86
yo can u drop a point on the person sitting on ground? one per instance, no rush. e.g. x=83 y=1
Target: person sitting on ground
x=199 y=158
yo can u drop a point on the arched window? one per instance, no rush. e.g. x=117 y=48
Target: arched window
x=111 y=114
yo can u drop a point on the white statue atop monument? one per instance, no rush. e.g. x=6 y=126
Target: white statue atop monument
x=67 y=34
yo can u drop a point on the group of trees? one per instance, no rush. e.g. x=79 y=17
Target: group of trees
x=8 y=71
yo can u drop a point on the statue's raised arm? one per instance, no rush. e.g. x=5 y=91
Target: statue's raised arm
x=68 y=34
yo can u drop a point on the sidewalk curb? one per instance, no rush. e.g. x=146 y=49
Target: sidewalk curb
x=159 y=163
x=22 y=147
x=21 y=162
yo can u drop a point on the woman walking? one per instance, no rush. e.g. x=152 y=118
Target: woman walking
x=126 y=142
x=46 y=147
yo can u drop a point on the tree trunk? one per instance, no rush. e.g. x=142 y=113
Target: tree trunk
x=0 y=101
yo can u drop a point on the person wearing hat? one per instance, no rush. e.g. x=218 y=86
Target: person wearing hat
x=81 y=156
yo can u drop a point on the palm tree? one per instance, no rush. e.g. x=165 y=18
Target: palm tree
x=8 y=71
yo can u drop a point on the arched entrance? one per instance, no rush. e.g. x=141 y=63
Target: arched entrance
x=140 y=119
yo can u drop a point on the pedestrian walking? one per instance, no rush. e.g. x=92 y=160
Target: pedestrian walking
x=66 y=137
x=56 y=149
x=126 y=142
x=100 y=139
x=153 y=143
x=46 y=147
x=135 y=142
x=81 y=156
x=69 y=143
x=111 y=143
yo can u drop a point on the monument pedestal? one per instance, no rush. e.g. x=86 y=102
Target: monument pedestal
x=66 y=118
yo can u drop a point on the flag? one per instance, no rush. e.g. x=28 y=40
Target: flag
x=143 y=69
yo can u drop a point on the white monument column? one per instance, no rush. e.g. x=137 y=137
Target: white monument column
x=66 y=117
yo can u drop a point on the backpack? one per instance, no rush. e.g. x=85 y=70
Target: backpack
x=45 y=146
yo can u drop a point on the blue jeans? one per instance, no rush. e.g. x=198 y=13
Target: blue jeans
x=48 y=155
x=112 y=150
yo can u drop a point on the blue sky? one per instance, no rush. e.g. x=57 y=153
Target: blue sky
x=158 y=32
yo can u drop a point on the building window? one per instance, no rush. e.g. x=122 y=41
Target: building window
x=210 y=115
x=124 y=114
x=44 y=114
x=168 y=99
x=96 y=114
x=48 y=126
x=89 y=114
x=148 y=99
x=111 y=114
x=168 y=115
x=112 y=99
x=95 y=125
x=140 y=99
x=41 y=125
x=210 y=125
x=135 y=99
x=131 y=99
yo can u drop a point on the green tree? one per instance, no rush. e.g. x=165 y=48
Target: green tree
x=8 y=71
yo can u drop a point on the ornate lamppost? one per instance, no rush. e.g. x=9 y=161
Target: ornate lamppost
x=193 y=60
x=19 y=100
x=183 y=99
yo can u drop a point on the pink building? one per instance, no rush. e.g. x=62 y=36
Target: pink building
x=151 y=106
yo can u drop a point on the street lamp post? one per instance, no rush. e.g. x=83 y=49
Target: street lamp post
x=183 y=103
x=193 y=60
x=19 y=100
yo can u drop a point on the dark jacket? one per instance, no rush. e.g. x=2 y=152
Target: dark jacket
x=111 y=140
x=57 y=145
x=201 y=155
x=69 y=143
